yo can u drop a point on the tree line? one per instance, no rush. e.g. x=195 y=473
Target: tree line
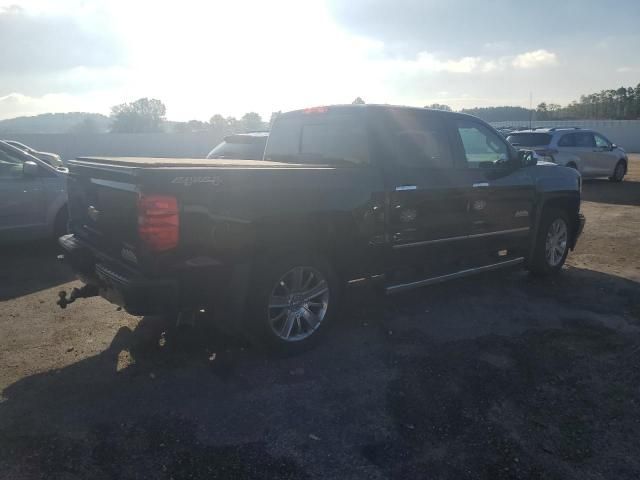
x=148 y=115
x=616 y=104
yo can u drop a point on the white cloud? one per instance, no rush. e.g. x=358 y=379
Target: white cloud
x=534 y=59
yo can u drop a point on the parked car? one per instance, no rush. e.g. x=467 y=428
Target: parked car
x=52 y=159
x=589 y=152
x=241 y=146
x=33 y=198
x=347 y=196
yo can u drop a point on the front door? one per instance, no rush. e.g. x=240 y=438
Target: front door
x=604 y=158
x=500 y=194
x=21 y=196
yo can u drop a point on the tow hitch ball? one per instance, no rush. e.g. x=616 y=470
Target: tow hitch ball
x=84 y=292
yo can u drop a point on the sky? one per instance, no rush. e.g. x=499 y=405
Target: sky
x=235 y=56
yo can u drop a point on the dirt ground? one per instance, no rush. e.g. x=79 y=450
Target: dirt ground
x=497 y=376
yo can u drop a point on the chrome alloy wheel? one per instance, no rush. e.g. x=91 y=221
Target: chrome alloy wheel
x=298 y=304
x=556 y=244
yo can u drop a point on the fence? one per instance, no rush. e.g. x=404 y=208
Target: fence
x=625 y=133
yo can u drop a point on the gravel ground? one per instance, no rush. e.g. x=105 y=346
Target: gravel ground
x=497 y=376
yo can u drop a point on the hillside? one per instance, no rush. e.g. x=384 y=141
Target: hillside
x=56 y=123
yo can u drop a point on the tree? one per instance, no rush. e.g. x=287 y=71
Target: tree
x=274 y=115
x=145 y=115
x=358 y=101
x=439 y=106
x=87 y=125
x=251 y=122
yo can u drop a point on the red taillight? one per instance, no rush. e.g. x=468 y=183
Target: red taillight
x=158 y=221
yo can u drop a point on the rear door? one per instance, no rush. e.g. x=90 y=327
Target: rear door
x=427 y=209
x=500 y=194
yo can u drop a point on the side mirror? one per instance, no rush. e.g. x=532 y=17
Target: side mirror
x=613 y=146
x=527 y=158
x=30 y=169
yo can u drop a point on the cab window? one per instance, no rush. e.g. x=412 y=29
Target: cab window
x=483 y=148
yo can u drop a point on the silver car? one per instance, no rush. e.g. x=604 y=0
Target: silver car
x=33 y=196
x=52 y=159
x=589 y=152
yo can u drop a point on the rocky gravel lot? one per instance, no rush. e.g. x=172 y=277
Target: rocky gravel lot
x=497 y=376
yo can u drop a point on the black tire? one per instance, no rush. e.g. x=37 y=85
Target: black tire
x=269 y=278
x=60 y=227
x=543 y=264
x=619 y=172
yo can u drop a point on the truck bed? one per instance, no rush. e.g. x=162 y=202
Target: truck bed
x=157 y=162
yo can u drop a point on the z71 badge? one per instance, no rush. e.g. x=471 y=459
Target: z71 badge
x=188 y=181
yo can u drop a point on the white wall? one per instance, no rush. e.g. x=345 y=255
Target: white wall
x=625 y=133
x=67 y=145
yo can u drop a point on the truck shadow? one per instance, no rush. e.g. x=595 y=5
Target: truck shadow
x=400 y=384
x=604 y=191
x=30 y=267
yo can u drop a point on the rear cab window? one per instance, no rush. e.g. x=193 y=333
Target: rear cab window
x=319 y=137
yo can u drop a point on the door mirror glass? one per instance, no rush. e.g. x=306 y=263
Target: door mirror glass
x=30 y=169
x=613 y=146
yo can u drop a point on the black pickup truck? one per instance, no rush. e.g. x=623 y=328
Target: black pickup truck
x=392 y=197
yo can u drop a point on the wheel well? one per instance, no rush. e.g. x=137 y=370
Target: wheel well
x=570 y=206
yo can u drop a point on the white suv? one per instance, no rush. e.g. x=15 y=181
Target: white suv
x=585 y=150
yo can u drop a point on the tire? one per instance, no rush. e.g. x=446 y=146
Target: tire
x=619 y=172
x=552 y=245
x=281 y=317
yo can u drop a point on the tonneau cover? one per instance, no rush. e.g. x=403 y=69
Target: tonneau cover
x=190 y=162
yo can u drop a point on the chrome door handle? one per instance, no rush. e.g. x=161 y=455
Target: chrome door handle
x=480 y=184
x=403 y=188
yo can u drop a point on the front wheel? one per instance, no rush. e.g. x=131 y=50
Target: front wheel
x=552 y=243
x=619 y=172
x=295 y=298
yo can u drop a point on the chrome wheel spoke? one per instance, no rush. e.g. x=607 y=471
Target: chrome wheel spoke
x=298 y=303
x=556 y=242
x=315 y=292
x=311 y=318
x=278 y=302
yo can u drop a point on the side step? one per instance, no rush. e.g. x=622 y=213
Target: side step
x=450 y=276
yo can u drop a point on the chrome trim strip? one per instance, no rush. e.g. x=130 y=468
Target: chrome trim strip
x=129 y=187
x=450 y=276
x=462 y=237
x=480 y=184
x=403 y=188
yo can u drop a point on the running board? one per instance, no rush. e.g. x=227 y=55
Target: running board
x=451 y=276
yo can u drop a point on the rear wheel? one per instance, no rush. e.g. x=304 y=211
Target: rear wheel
x=295 y=297
x=619 y=172
x=552 y=243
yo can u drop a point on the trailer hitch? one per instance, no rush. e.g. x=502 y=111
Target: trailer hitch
x=85 y=292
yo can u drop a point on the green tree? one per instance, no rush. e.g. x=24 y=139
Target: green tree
x=87 y=125
x=439 y=106
x=251 y=122
x=145 y=115
x=358 y=101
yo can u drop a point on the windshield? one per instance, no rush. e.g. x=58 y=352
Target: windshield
x=239 y=151
x=529 y=139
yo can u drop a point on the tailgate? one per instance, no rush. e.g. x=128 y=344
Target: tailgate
x=103 y=207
